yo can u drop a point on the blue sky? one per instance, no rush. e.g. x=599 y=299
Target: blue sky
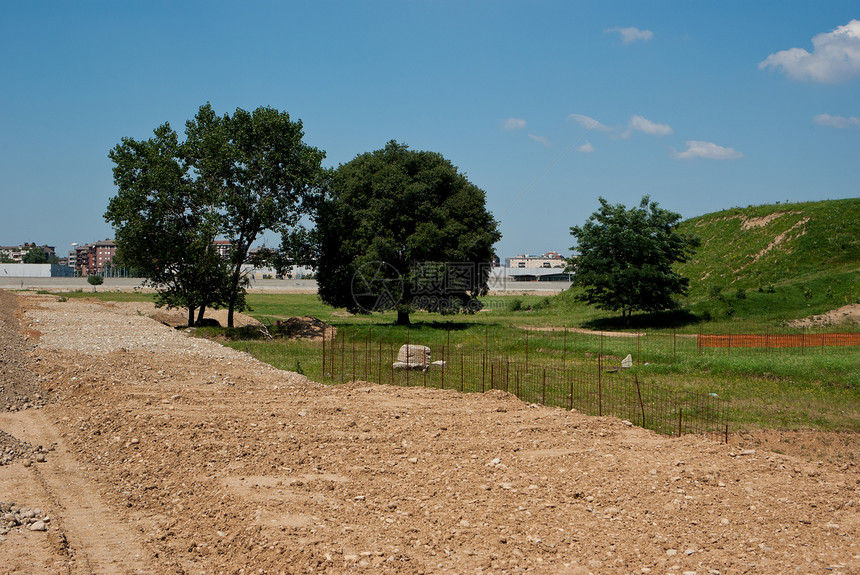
x=546 y=105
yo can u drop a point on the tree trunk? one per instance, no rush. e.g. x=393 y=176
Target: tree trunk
x=231 y=304
x=200 y=314
x=402 y=317
x=190 y=316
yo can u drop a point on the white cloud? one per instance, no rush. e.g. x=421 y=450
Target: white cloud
x=706 y=150
x=540 y=140
x=590 y=123
x=514 y=124
x=835 y=56
x=836 y=121
x=632 y=34
x=640 y=124
x=586 y=148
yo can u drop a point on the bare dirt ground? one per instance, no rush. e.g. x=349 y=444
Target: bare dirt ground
x=169 y=454
x=846 y=314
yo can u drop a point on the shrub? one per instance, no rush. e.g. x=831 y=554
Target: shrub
x=542 y=304
x=716 y=292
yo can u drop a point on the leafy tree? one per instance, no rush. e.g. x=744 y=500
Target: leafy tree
x=165 y=222
x=232 y=177
x=6 y=258
x=35 y=255
x=95 y=281
x=263 y=176
x=403 y=229
x=626 y=258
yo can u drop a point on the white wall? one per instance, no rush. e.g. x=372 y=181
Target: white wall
x=34 y=271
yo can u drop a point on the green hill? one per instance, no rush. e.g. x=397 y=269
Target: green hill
x=784 y=260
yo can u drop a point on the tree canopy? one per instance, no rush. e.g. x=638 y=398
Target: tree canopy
x=261 y=174
x=35 y=255
x=626 y=256
x=165 y=222
x=233 y=178
x=405 y=230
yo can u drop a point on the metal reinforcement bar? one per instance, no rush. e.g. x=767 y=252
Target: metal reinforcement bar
x=588 y=390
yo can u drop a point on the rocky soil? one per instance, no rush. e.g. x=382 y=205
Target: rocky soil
x=170 y=454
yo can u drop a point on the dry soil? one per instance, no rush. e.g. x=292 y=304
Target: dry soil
x=170 y=454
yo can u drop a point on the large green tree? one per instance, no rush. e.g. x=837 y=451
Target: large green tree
x=626 y=258
x=165 y=222
x=405 y=230
x=232 y=178
x=261 y=173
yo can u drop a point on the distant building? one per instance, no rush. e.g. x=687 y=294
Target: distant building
x=223 y=247
x=547 y=260
x=17 y=253
x=90 y=259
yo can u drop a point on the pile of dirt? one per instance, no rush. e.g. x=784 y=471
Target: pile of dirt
x=12 y=448
x=847 y=314
x=19 y=388
x=307 y=327
x=179 y=317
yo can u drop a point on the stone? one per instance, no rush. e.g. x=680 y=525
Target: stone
x=38 y=526
x=413 y=357
x=627 y=362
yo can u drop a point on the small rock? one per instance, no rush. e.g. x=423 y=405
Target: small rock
x=38 y=526
x=671 y=552
x=412 y=460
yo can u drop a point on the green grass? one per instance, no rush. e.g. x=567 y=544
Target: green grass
x=811 y=246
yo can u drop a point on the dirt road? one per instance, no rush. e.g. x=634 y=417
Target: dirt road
x=169 y=454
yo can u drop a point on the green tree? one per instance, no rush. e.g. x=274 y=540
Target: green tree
x=95 y=281
x=403 y=229
x=35 y=255
x=626 y=258
x=261 y=174
x=165 y=222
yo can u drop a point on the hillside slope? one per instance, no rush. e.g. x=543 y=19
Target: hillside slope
x=808 y=252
